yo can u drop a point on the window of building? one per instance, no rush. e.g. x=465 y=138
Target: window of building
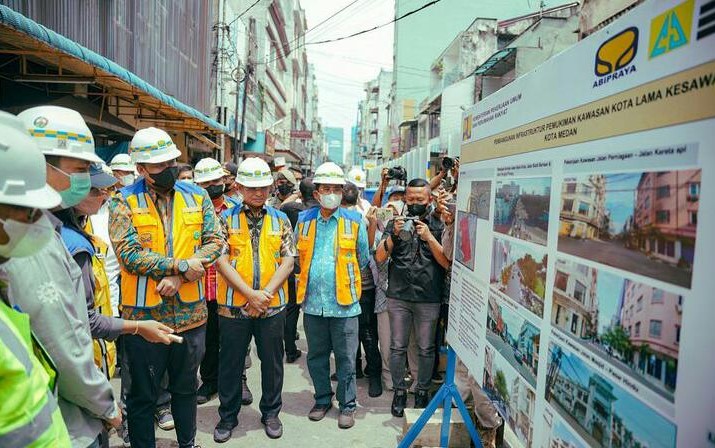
x=662 y=216
x=568 y=205
x=693 y=218
x=638 y=328
x=662 y=191
x=582 y=269
x=562 y=280
x=655 y=328
x=639 y=304
x=574 y=323
x=657 y=296
x=579 y=291
x=666 y=248
x=677 y=334
x=583 y=208
x=571 y=188
x=694 y=189
x=585 y=189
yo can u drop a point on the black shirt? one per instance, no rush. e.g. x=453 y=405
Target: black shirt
x=414 y=274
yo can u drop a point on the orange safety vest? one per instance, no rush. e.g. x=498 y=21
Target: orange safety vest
x=183 y=240
x=347 y=268
x=241 y=256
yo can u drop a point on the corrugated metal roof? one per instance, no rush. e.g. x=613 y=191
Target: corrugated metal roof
x=40 y=33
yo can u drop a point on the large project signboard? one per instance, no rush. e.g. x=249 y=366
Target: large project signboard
x=583 y=296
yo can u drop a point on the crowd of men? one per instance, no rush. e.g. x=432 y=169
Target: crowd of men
x=169 y=272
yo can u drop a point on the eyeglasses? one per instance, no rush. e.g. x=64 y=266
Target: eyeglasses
x=330 y=189
x=28 y=214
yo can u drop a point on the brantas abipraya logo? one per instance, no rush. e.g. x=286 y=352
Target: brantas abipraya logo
x=614 y=58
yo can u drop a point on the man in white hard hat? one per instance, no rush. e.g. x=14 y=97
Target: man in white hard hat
x=333 y=248
x=252 y=297
x=48 y=285
x=123 y=169
x=29 y=393
x=164 y=232
x=358 y=177
x=209 y=175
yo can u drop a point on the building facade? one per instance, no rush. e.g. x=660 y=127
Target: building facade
x=335 y=145
x=575 y=306
x=373 y=119
x=583 y=208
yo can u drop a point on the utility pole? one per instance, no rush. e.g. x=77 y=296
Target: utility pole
x=246 y=76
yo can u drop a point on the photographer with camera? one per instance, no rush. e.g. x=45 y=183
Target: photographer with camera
x=397 y=173
x=416 y=280
x=450 y=165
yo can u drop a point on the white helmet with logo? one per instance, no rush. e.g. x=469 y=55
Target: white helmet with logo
x=208 y=169
x=358 y=177
x=23 y=180
x=152 y=145
x=329 y=173
x=254 y=172
x=60 y=132
x=122 y=162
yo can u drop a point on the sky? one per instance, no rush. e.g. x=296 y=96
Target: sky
x=342 y=68
x=561 y=431
x=608 y=291
x=620 y=198
x=535 y=185
x=646 y=424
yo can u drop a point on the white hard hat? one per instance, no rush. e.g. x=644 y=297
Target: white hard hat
x=208 y=169
x=60 y=132
x=122 y=162
x=329 y=173
x=254 y=172
x=23 y=180
x=152 y=145
x=358 y=177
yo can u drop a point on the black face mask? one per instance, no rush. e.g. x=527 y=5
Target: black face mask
x=285 y=189
x=215 y=191
x=350 y=197
x=416 y=209
x=165 y=180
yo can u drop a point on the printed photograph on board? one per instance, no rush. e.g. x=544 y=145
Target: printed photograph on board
x=601 y=412
x=480 y=198
x=511 y=395
x=521 y=208
x=514 y=337
x=519 y=272
x=633 y=326
x=643 y=223
x=557 y=434
x=464 y=250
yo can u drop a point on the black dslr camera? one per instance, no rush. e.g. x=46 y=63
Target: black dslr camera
x=408 y=229
x=397 y=173
x=447 y=163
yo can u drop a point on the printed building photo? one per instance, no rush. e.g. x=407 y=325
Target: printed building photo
x=521 y=208
x=631 y=325
x=480 y=198
x=514 y=337
x=519 y=272
x=466 y=230
x=640 y=222
x=601 y=412
x=513 y=397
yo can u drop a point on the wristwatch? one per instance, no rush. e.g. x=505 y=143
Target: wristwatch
x=183 y=266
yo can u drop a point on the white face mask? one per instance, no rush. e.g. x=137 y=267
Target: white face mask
x=331 y=201
x=127 y=180
x=399 y=206
x=25 y=239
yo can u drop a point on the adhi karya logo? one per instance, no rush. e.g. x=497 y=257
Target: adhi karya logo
x=614 y=58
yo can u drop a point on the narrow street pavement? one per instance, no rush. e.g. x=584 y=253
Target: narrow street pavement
x=374 y=425
x=508 y=353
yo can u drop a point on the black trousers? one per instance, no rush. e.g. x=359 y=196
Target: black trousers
x=209 y=365
x=367 y=331
x=236 y=334
x=147 y=364
x=292 y=314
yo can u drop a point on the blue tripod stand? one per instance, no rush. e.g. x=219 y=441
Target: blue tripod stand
x=444 y=396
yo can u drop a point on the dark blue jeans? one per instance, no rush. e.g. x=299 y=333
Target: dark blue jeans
x=147 y=364
x=340 y=336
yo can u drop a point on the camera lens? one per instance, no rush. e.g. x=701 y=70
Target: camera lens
x=447 y=163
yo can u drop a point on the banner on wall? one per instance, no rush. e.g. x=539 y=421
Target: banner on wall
x=581 y=294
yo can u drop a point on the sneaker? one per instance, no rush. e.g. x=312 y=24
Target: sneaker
x=164 y=419
x=205 y=393
x=293 y=357
x=421 y=399
x=246 y=395
x=375 y=387
x=399 y=401
x=222 y=433
x=273 y=427
x=346 y=419
x=317 y=413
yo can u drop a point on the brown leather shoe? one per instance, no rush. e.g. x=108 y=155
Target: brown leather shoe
x=318 y=412
x=346 y=419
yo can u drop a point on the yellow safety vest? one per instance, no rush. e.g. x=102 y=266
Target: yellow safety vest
x=105 y=352
x=29 y=416
x=241 y=256
x=347 y=268
x=183 y=240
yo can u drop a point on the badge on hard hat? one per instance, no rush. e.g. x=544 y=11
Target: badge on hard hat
x=40 y=122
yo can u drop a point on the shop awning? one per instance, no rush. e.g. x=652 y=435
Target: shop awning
x=79 y=65
x=497 y=64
